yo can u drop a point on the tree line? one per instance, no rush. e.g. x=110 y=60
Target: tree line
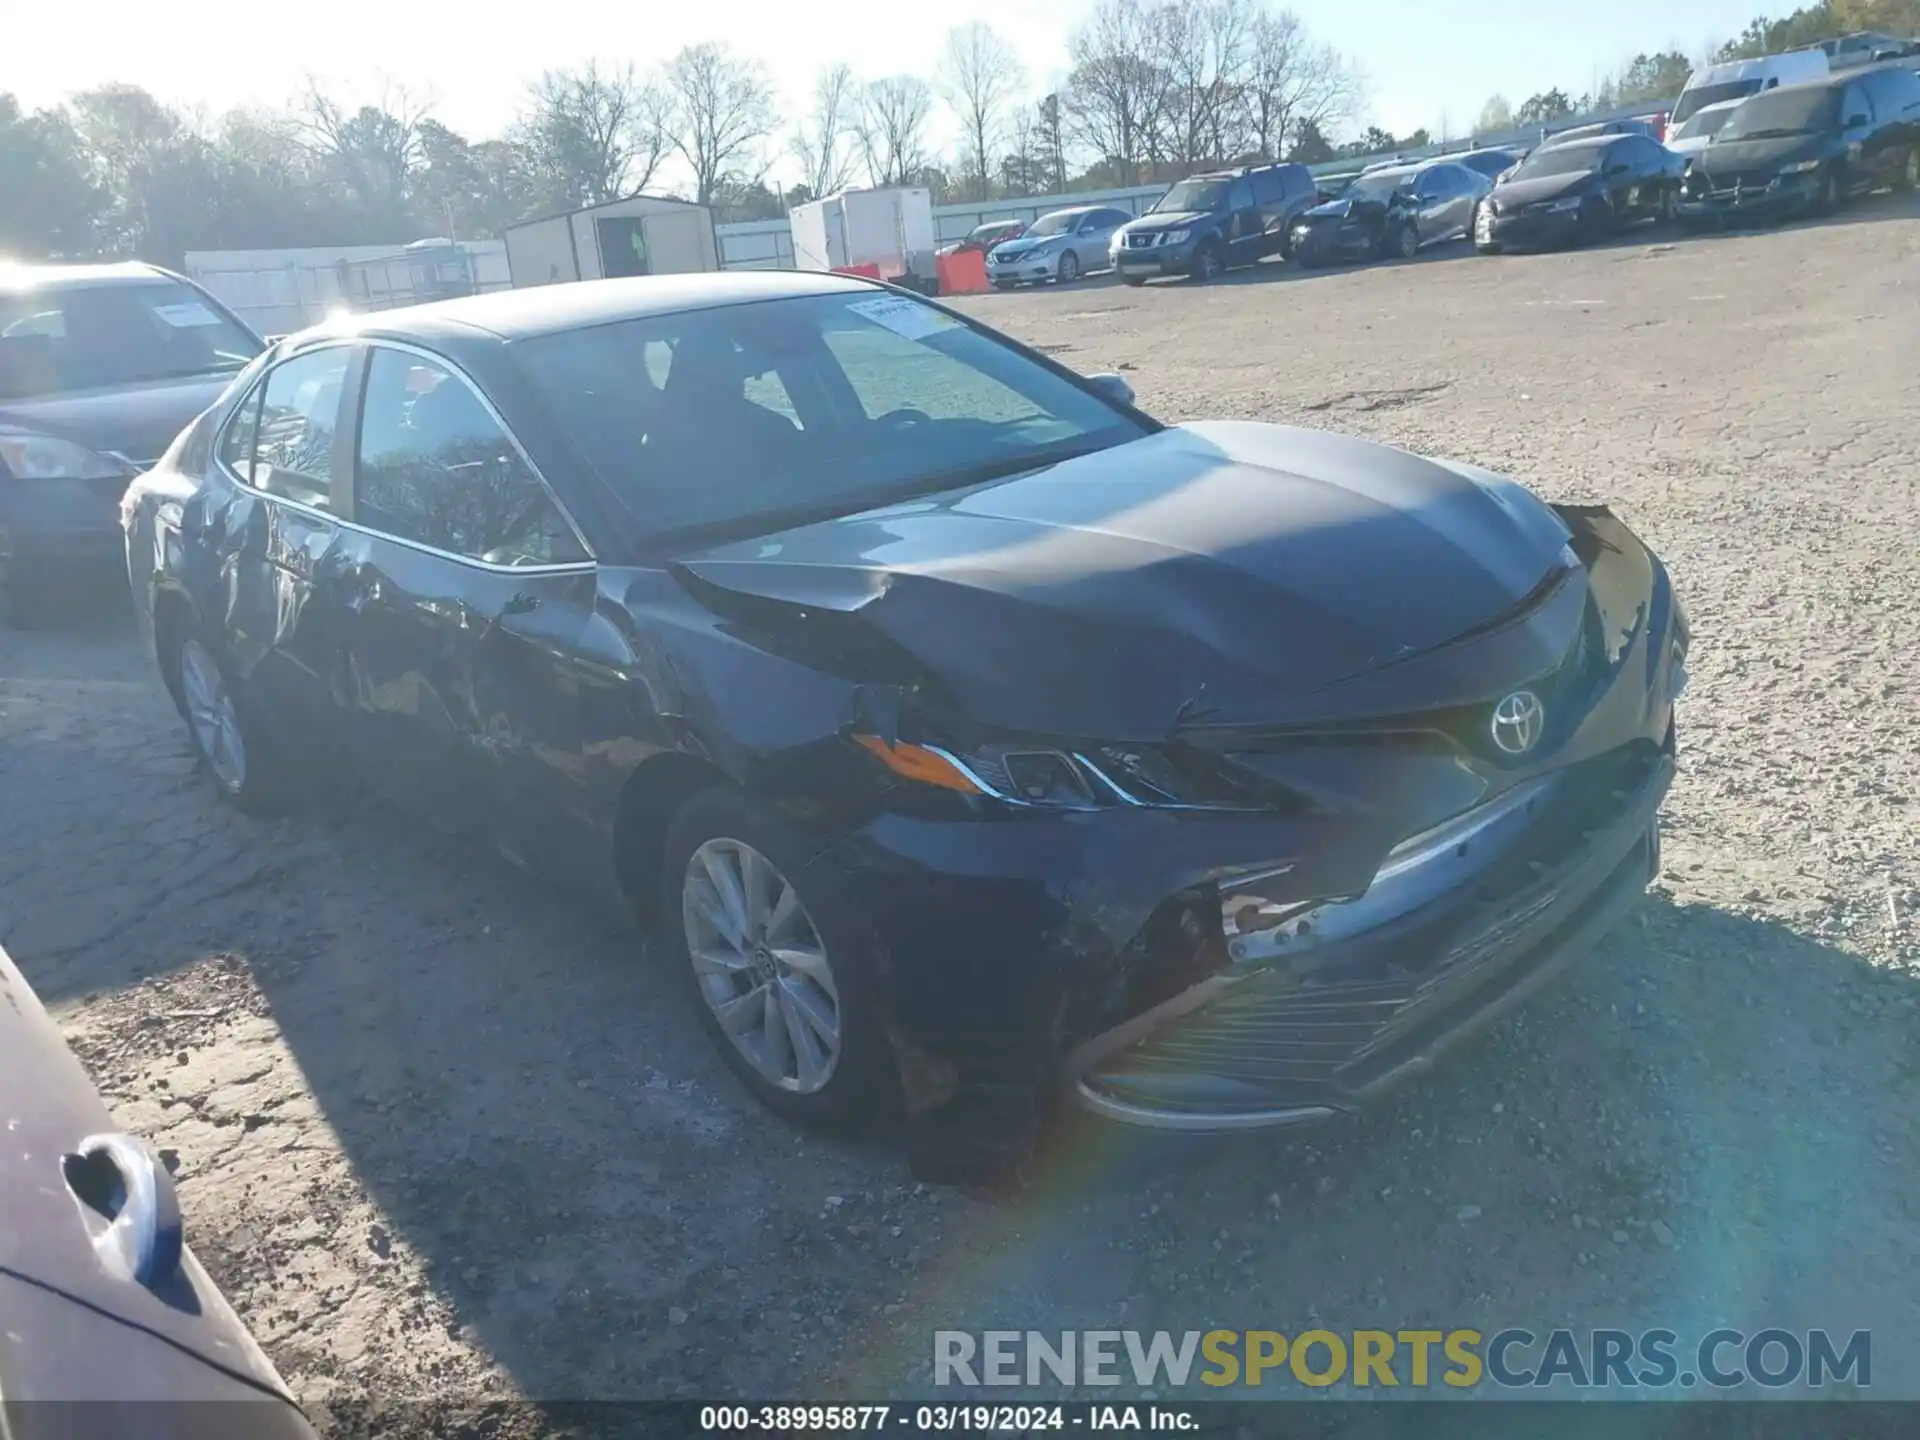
x=1153 y=89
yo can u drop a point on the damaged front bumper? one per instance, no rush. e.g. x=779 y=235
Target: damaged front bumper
x=1317 y=1027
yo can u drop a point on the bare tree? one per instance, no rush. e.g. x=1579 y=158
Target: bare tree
x=1496 y=115
x=892 y=128
x=374 y=147
x=820 y=143
x=594 y=135
x=1115 y=93
x=721 y=109
x=980 y=74
x=1294 y=84
x=1202 y=51
x=1053 y=138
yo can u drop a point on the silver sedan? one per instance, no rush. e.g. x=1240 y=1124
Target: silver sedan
x=1061 y=247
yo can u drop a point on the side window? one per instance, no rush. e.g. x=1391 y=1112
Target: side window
x=1299 y=181
x=299 y=414
x=1240 y=196
x=236 y=446
x=435 y=467
x=1854 y=102
x=1268 y=188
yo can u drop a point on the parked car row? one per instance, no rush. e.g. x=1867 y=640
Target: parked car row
x=1741 y=143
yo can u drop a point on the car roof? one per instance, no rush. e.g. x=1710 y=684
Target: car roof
x=16 y=278
x=583 y=304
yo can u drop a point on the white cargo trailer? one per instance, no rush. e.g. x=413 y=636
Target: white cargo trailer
x=891 y=230
x=641 y=235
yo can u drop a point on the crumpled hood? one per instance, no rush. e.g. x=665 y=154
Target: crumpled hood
x=1237 y=568
x=137 y=421
x=1343 y=207
x=1512 y=194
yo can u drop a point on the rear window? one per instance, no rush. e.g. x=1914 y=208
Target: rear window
x=55 y=339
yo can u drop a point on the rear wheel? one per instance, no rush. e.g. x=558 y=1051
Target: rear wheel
x=776 y=966
x=1069 y=268
x=234 y=751
x=1910 y=171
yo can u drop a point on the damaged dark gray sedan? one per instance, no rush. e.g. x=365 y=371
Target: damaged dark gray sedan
x=967 y=734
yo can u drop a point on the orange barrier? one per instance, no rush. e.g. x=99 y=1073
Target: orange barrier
x=870 y=271
x=963 y=273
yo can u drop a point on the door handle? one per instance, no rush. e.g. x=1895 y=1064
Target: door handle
x=117 y=1179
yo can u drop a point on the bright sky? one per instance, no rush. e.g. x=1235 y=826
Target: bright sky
x=1429 y=61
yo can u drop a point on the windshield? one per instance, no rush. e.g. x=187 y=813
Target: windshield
x=1707 y=122
x=998 y=230
x=1380 y=185
x=1556 y=160
x=1699 y=95
x=1782 y=112
x=1058 y=223
x=747 y=417
x=60 y=338
x=1192 y=197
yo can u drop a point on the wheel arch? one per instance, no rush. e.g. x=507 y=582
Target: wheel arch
x=649 y=799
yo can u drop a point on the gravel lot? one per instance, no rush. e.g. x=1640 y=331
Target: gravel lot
x=443 y=1139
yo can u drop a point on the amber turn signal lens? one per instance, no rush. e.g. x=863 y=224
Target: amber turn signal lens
x=916 y=762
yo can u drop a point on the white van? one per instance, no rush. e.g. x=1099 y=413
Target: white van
x=1737 y=79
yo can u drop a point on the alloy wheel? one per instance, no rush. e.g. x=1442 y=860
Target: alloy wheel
x=1206 y=265
x=761 y=965
x=1069 y=268
x=1409 y=242
x=209 y=707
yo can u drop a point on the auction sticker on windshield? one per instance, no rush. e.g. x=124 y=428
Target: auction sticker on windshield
x=907 y=318
x=189 y=315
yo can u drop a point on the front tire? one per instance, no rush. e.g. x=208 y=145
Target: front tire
x=1829 y=197
x=1406 y=243
x=1069 y=270
x=778 y=968
x=1909 y=172
x=1207 y=263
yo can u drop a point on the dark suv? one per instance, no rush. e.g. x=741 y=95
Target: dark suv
x=1208 y=222
x=1806 y=148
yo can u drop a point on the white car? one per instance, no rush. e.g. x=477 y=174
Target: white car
x=1691 y=135
x=1061 y=246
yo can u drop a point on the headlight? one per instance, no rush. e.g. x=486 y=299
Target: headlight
x=42 y=457
x=1091 y=778
x=1567 y=202
x=1800 y=167
x=1174 y=237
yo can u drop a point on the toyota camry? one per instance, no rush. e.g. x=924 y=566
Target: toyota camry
x=967 y=735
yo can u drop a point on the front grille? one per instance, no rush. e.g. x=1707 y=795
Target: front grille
x=1139 y=242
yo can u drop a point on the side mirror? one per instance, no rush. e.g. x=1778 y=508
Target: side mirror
x=1619 y=167
x=1114 y=387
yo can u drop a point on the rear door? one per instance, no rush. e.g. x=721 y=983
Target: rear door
x=1270 y=196
x=272 y=521
x=477 y=588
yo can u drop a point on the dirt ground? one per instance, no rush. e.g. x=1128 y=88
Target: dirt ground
x=444 y=1140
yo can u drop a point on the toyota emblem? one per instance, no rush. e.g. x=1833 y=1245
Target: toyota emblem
x=1518 y=722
